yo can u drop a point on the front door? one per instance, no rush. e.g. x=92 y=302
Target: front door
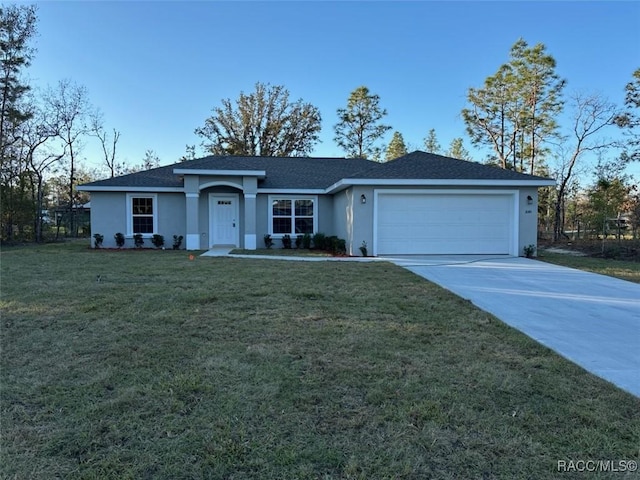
x=224 y=224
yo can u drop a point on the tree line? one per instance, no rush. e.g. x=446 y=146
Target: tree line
x=42 y=133
x=522 y=115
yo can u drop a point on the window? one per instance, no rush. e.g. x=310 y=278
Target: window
x=293 y=216
x=142 y=214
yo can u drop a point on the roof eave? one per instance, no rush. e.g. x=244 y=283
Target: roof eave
x=128 y=188
x=345 y=183
x=218 y=172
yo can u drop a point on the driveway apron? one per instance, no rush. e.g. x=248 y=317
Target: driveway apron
x=590 y=319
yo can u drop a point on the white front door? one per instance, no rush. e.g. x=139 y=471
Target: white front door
x=223 y=220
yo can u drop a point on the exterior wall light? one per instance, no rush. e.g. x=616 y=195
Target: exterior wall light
x=529 y=200
x=363 y=199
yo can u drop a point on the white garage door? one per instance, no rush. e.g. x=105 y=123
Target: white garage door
x=445 y=223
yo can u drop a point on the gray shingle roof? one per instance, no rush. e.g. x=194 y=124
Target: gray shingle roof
x=431 y=166
x=287 y=172
x=318 y=173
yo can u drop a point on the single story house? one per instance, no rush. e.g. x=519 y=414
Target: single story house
x=420 y=203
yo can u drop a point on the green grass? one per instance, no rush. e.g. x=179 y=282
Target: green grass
x=228 y=368
x=625 y=270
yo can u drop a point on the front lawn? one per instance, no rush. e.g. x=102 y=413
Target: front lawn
x=146 y=364
x=623 y=269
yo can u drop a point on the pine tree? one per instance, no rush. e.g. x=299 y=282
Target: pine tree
x=457 y=150
x=396 y=147
x=359 y=127
x=431 y=144
x=515 y=111
x=629 y=120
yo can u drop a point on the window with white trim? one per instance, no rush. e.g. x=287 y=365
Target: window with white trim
x=293 y=216
x=142 y=214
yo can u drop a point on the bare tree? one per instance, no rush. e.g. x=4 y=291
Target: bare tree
x=591 y=114
x=71 y=104
x=37 y=133
x=108 y=142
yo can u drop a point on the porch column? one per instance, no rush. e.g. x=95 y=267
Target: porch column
x=192 y=194
x=193 y=237
x=250 y=221
x=250 y=189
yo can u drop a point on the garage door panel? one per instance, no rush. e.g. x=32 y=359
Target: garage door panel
x=444 y=223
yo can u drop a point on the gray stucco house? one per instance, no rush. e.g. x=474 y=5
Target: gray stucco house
x=420 y=203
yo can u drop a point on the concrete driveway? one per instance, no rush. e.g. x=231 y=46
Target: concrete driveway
x=590 y=319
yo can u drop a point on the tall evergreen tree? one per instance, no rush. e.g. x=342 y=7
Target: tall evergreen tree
x=457 y=150
x=17 y=30
x=515 y=111
x=396 y=147
x=359 y=127
x=431 y=144
x=629 y=120
x=263 y=123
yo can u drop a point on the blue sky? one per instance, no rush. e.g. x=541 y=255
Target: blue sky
x=156 y=69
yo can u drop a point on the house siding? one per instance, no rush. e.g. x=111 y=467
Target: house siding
x=262 y=219
x=343 y=217
x=171 y=217
x=528 y=219
x=325 y=215
x=353 y=220
x=109 y=216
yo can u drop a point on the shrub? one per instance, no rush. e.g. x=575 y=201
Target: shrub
x=138 y=240
x=363 y=249
x=299 y=241
x=119 y=239
x=286 y=241
x=268 y=241
x=529 y=251
x=177 y=241
x=318 y=241
x=157 y=240
x=306 y=241
x=98 y=239
x=335 y=245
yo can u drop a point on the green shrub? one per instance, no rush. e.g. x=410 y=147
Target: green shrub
x=529 y=251
x=268 y=241
x=335 y=245
x=363 y=249
x=177 y=241
x=98 y=239
x=306 y=241
x=286 y=241
x=138 y=240
x=119 y=239
x=157 y=240
x=318 y=241
x=299 y=241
